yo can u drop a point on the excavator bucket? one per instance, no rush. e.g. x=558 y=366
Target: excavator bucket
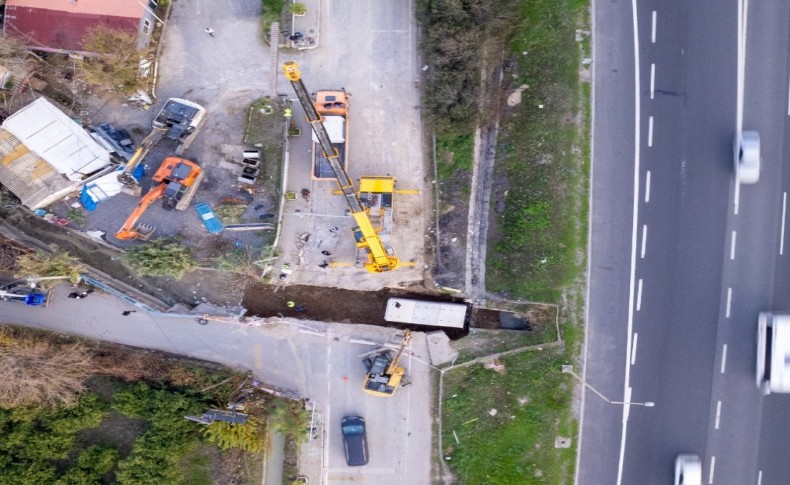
x=144 y=231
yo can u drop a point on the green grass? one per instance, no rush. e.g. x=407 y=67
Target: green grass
x=196 y=466
x=494 y=341
x=541 y=227
x=453 y=154
x=517 y=445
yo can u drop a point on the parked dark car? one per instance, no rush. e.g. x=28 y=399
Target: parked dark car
x=355 y=440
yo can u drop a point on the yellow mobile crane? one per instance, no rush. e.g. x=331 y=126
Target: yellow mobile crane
x=378 y=257
x=384 y=373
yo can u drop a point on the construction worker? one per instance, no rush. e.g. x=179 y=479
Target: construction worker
x=287 y=112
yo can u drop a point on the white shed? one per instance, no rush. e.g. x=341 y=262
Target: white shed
x=44 y=155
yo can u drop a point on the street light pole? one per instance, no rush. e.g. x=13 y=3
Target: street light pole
x=568 y=369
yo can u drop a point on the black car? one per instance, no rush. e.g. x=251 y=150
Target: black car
x=355 y=440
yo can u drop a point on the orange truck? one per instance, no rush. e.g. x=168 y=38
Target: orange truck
x=332 y=107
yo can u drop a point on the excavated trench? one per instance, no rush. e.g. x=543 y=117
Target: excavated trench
x=348 y=306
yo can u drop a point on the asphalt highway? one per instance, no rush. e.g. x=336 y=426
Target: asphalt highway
x=682 y=258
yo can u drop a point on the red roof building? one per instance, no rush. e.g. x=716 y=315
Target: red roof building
x=61 y=25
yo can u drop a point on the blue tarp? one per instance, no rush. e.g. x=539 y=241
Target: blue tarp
x=86 y=200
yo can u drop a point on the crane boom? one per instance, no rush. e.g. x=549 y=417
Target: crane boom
x=379 y=259
x=396 y=360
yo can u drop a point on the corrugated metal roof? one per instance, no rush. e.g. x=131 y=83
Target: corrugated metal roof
x=61 y=24
x=53 y=136
x=28 y=176
x=114 y=8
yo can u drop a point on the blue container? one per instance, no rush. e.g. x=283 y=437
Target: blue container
x=209 y=218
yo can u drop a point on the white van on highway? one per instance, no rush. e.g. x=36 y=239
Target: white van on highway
x=773 y=352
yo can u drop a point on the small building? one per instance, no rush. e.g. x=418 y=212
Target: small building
x=61 y=25
x=45 y=155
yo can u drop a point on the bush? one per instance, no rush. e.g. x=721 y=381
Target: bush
x=247 y=436
x=162 y=257
x=43 y=265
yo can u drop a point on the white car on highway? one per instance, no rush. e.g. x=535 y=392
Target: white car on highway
x=747 y=157
x=773 y=352
x=688 y=470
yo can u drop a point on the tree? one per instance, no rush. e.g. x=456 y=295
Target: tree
x=35 y=372
x=298 y=8
x=117 y=66
x=245 y=436
x=43 y=265
x=162 y=257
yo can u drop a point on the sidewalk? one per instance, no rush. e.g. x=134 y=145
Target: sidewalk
x=305 y=28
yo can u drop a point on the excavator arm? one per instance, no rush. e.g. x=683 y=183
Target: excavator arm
x=378 y=259
x=125 y=177
x=128 y=231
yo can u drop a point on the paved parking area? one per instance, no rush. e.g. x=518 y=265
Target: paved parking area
x=375 y=61
x=225 y=74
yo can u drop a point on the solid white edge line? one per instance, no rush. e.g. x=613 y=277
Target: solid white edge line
x=732 y=245
x=712 y=468
x=647 y=187
x=589 y=248
x=650 y=131
x=759 y=477
x=788 y=98
x=652 y=81
x=718 y=414
x=639 y=296
x=784 y=213
x=634 y=223
x=723 y=358
x=729 y=303
x=741 y=27
x=633 y=349
x=653 y=33
x=644 y=240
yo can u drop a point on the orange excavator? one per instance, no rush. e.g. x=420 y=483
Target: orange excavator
x=176 y=177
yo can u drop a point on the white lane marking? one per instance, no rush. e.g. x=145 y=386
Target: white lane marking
x=788 y=99
x=634 y=223
x=784 y=213
x=729 y=302
x=653 y=34
x=633 y=349
x=650 y=131
x=741 y=69
x=737 y=200
x=652 y=81
x=647 y=187
x=718 y=413
x=639 y=296
x=732 y=245
x=712 y=467
x=759 y=477
x=723 y=358
x=644 y=241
